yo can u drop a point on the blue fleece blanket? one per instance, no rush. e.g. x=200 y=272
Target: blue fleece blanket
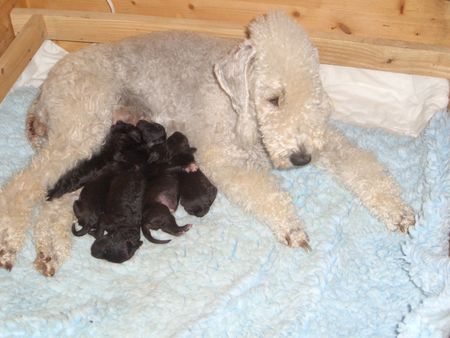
x=228 y=277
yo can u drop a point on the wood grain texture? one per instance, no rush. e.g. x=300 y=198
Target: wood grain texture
x=104 y=27
x=419 y=21
x=20 y=51
x=346 y=49
x=72 y=46
x=6 y=31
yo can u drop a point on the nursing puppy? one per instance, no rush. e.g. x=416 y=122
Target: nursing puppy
x=95 y=205
x=161 y=200
x=163 y=193
x=90 y=206
x=126 y=146
x=118 y=232
x=197 y=193
x=122 y=149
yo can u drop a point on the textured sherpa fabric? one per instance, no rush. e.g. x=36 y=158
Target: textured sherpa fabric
x=228 y=276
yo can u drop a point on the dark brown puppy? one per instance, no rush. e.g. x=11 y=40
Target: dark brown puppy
x=162 y=193
x=160 y=201
x=126 y=146
x=90 y=206
x=123 y=148
x=118 y=232
x=197 y=193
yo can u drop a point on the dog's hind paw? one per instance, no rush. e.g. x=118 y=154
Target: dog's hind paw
x=9 y=246
x=296 y=238
x=45 y=264
x=7 y=257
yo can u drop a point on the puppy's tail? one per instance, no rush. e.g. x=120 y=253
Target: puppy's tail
x=150 y=238
x=83 y=231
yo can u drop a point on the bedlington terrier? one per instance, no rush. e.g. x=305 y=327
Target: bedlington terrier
x=248 y=105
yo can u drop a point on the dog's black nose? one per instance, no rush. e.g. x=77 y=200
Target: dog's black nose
x=300 y=158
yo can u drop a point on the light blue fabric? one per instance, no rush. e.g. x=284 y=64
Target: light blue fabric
x=229 y=277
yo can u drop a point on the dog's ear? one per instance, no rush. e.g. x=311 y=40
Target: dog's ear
x=231 y=72
x=232 y=75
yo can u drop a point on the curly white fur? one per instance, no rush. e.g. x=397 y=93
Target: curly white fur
x=247 y=106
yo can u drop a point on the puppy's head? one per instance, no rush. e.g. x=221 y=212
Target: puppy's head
x=115 y=248
x=199 y=197
x=152 y=133
x=179 y=150
x=124 y=136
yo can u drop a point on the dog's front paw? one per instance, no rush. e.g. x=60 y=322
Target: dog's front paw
x=295 y=238
x=46 y=264
x=402 y=220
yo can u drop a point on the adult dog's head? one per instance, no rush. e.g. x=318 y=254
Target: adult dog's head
x=273 y=81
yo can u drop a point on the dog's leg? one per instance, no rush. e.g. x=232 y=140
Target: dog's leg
x=72 y=142
x=259 y=193
x=29 y=187
x=360 y=172
x=16 y=202
x=51 y=234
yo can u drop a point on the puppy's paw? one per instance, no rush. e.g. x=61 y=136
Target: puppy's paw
x=295 y=238
x=46 y=264
x=402 y=220
x=191 y=167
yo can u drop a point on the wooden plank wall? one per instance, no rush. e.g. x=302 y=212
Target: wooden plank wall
x=20 y=51
x=419 y=21
x=348 y=50
x=6 y=31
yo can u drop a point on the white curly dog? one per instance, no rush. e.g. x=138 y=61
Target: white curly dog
x=248 y=106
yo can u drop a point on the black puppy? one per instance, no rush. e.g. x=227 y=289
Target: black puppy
x=123 y=215
x=123 y=148
x=90 y=206
x=197 y=193
x=118 y=231
x=160 y=201
x=162 y=193
x=95 y=212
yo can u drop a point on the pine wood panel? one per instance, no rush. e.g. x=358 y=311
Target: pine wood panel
x=20 y=52
x=420 y=21
x=6 y=31
x=347 y=50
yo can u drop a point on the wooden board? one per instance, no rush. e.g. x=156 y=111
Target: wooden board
x=6 y=30
x=347 y=49
x=419 y=21
x=20 y=52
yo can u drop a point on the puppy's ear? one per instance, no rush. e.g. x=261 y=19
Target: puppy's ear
x=232 y=74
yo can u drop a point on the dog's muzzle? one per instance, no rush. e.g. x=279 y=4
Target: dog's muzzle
x=300 y=158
